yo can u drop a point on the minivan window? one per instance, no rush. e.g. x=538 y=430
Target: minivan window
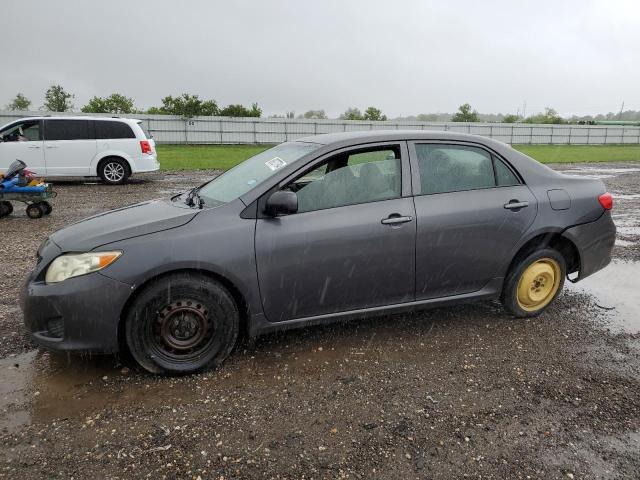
x=453 y=168
x=144 y=130
x=27 y=131
x=252 y=172
x=111 y=129
x=68 y=130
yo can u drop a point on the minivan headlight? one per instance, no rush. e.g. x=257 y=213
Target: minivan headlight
x=75 y=264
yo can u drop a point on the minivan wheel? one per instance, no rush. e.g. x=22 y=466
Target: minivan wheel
x=182 y=323
x=114 y=171
x=534 y=282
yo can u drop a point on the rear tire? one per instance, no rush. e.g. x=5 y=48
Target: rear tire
x=35 y=211
x=182 y=323
x=533 y=282
x=6 y=208
x=114 y=171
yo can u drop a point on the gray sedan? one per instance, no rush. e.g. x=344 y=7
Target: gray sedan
x=328 y=227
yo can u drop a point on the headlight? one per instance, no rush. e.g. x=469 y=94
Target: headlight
x=75 y=264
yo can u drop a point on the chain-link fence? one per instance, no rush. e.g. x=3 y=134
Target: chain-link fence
x=225 y=130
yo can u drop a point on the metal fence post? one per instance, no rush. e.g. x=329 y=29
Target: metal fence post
x=512 y=127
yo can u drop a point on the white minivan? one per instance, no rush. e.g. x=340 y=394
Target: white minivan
x=111 y=148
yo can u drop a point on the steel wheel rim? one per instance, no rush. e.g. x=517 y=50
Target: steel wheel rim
x=538 y=284
x=181 y=331
x=114 y=172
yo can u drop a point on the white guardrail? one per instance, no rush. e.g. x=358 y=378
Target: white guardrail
x=171 y=129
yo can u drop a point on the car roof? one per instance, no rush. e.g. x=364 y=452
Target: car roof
x=369 y=136
x=76 y=117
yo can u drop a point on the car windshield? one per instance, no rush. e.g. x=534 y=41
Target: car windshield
x=253 y=171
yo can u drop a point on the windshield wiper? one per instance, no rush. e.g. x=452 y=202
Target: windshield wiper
x=193 y=198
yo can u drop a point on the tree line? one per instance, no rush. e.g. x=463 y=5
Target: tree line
x=57 y=99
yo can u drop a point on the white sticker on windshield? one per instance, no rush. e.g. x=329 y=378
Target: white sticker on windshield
x=275 y=163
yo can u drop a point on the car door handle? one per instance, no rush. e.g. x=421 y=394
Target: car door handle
x=52 y=146
x=395 y=219
x=515 y=205
x=34 y=146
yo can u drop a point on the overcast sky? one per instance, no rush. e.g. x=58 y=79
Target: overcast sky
x=406 y=57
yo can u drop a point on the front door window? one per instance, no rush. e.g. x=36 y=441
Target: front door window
x=361 y=176
x=28 y=131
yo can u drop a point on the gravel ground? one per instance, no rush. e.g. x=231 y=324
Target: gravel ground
x=446 y=393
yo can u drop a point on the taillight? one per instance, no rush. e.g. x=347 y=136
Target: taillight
x=145 y=146
x=606 y=200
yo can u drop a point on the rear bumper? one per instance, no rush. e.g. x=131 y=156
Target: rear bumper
x=79 y=314
x=595 y=241
x=146 y=163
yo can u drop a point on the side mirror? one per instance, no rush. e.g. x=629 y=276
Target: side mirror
x=282 y=202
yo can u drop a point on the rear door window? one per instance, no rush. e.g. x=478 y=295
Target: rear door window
x=453 y=168
x=111 y=129
x=68 y=130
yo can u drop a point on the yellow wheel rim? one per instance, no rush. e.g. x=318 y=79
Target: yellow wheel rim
x=538 y=284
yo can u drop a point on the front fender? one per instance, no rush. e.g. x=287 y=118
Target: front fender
x=216 y=241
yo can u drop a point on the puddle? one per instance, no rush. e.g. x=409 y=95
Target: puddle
x=37 y=387
x=625 y=230
x=624 y=243
x=626 y=196
x=616 y=290
x=598 y=172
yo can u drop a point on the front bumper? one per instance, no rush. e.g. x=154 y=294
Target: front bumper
x=78 y=314
x=595 y=241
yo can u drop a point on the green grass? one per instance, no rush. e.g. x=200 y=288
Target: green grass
x=223 y=157
x=581 y=153
x=199 y=157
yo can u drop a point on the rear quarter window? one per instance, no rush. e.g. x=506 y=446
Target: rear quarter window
x=110 y=129
x=144 y=130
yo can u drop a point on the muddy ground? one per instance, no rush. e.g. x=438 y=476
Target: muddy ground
x=453 y=392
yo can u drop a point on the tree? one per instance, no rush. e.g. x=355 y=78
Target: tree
x=427 y=117
x=352 y=114
x=57 y=99
x=114 y=103
x=315 y=114
x=186 y=106
x=465 y=114
x=19 y=103
x=549 y=116
x=511 y=118
x=373 y=113
x=237 y=110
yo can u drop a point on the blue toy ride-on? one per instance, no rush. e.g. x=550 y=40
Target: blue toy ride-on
x=18 y=185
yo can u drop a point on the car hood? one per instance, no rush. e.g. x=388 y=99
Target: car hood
x=128 y=222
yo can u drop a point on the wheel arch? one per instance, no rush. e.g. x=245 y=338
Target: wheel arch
x=119 y=155
x=549 y=239
x=234 y=290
